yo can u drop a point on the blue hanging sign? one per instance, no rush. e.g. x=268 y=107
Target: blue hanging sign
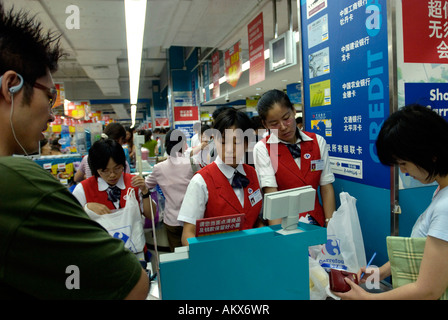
x=346 y=83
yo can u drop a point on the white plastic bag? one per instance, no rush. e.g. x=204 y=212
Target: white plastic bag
x=319 y=281
x=125 y=224
x=345 y=246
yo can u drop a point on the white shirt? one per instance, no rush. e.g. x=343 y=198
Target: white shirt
x=195 y=140
x=266 y=172
x=434 y=221
x=196 y=197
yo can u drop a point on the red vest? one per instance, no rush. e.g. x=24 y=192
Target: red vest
x=222 y=200
x=92 y=193
x=289 y=175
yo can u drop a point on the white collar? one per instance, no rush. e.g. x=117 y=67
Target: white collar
x=302 y=137
x=103 y=185
x=227 y=170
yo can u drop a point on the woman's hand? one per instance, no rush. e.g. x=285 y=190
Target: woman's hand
x=138 y=181
x=356 y=292
x=98 y=208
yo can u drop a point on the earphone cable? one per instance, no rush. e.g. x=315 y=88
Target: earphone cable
x=12 y=126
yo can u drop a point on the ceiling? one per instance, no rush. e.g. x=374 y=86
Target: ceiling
x=96 y=67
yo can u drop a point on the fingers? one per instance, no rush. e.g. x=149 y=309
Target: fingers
x=139 y=182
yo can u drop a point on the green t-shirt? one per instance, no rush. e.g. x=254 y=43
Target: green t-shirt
x=44 y=231
x=151 y=146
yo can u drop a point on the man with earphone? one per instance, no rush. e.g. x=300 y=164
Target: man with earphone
x=49 y=247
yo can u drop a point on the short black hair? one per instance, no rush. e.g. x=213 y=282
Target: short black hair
x=175 y=139
x=26 y=49
x=416 y=134
x=269 y=98
x=257 y=123
x=115 y=131
x=102 y=151
x=232 y=117
x=217 y=111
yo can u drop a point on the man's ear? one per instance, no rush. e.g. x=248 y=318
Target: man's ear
x=10 y=83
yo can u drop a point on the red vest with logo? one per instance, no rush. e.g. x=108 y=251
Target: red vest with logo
x=222 y=200
x=92 y=193
x=289 y=175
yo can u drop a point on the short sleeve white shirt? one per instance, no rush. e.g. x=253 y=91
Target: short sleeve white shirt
x=266 y=172
x=434 y=221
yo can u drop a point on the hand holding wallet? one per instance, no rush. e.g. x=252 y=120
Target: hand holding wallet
x=337 y=280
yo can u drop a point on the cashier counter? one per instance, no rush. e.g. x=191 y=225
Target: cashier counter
x=263 y=263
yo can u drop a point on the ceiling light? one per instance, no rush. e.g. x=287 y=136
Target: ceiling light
x=133 y=114
x=135 y=12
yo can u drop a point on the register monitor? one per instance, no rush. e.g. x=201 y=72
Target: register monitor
x=288 y=204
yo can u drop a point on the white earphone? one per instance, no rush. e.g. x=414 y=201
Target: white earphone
x=16 y=88
x=13 y=90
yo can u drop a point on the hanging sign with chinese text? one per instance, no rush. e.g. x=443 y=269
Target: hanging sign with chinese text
x=233 y=64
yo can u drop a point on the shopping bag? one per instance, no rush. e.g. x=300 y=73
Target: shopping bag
x=125 y=224
x=344 y=248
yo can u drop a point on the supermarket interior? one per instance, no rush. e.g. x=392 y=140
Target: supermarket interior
x=161 y=67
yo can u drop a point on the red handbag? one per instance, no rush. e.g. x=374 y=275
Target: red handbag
x=337 y=282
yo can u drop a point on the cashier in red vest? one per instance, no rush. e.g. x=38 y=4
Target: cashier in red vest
x=226 y=186
x=290 y=158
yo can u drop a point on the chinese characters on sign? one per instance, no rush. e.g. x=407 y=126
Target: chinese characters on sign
x=425 y=31
x=217 y=225
x=345 y=82
x=233 y=64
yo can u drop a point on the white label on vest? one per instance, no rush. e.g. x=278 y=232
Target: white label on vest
x=317 y=165
x=255 y=197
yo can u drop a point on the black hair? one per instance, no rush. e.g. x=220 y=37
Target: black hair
x=269 y=98
x=416 y=134
x=232 y=117
x=217 y=111
x=175 y=139
x=204 y=128
x=102 y=151
x=115 y=131
x=148 y=135
x=256 y=123
x=26 y=49
x=299 y=120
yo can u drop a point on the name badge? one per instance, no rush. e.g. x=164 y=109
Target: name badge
x=255 y=197
x=317 y=165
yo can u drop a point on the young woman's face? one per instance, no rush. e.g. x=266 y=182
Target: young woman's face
x=414 y=171
x=231 y=147
x=282 y=119
x=112 y=173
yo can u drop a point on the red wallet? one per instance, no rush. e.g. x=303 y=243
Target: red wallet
x=337 y=282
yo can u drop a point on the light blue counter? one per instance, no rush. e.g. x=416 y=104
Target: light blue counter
x=251 y=264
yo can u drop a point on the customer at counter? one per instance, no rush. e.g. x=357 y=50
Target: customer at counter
x=45 y=236
x=227 y=186
x=173 y=176
x=416 y=139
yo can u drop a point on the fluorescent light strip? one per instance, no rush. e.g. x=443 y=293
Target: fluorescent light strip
x=133 y=114
x=135 y=12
